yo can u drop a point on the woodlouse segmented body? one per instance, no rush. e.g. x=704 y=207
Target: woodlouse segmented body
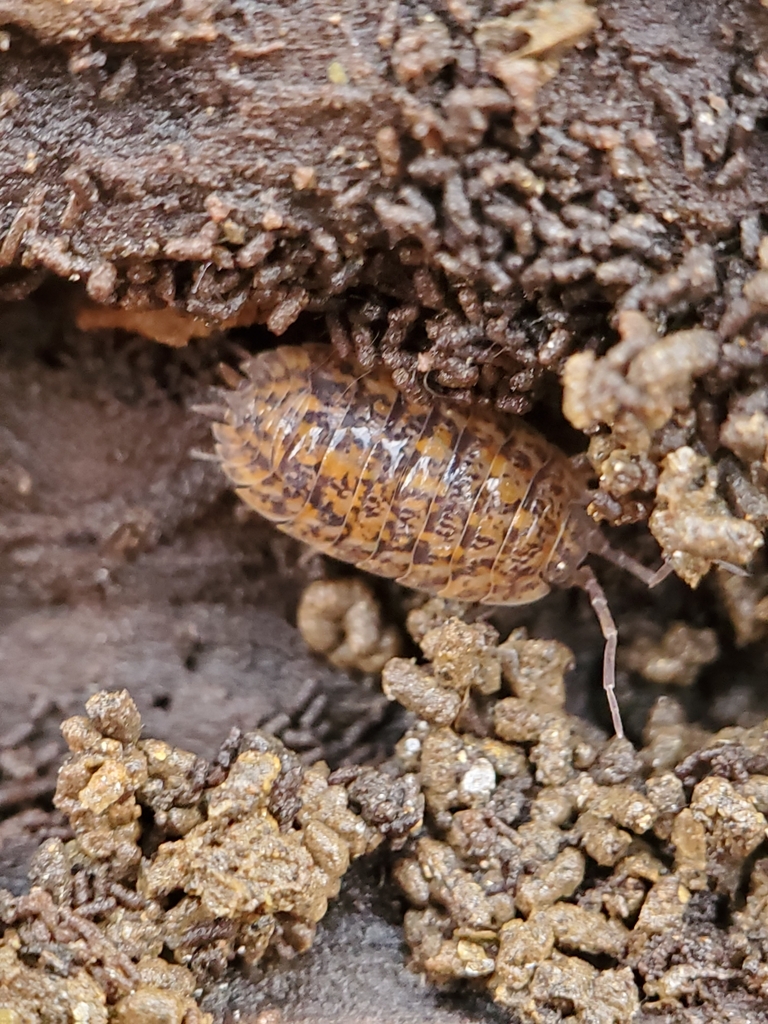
x=455 y=503
x=460 y=504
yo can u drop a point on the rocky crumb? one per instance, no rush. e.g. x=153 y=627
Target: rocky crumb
x=210 y=863
x=676 y=658
x=571 y=876
x=341 y=619
x=438 y=693
x=641 y=382
x=692 y=522
x=58 y=965
x=428 y=613
x=641 y=390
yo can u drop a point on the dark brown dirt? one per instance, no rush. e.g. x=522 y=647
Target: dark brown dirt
x=210 y=160
x=213 y=162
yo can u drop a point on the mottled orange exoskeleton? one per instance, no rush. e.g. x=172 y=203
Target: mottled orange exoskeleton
x=461 y=504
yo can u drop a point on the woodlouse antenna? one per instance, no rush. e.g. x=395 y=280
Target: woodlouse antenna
x=587 y=580
x=734 y=570
x=664 y=570
x=651 y=577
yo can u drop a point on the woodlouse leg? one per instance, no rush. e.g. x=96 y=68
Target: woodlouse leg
x=230 y=376
x=587 y=580
x=211 y=410
x=200 y=456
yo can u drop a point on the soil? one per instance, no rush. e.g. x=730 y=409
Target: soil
x=336 y=172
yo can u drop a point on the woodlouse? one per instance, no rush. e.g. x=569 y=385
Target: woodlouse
x=461 y=504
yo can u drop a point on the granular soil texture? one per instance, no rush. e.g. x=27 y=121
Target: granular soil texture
x=576 y=879
x=569 y=876
x=554 y=209
x=468 y=189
